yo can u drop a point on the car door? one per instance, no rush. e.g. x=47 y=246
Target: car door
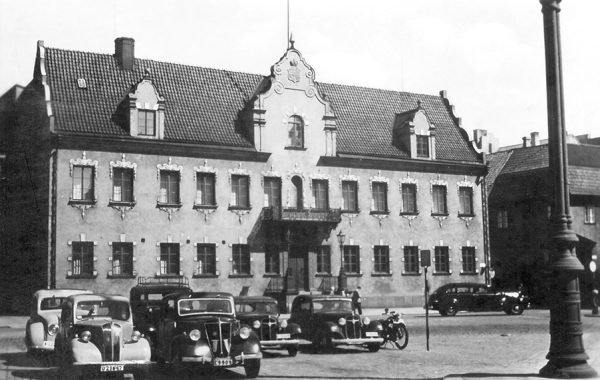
x=464 y=295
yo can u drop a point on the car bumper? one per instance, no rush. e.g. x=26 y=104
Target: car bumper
x=279 y=343
x=356 y=341
x=221 y=362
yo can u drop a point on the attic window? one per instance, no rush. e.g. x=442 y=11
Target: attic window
x=146 y=122
x=422 y=146
x=81 y=83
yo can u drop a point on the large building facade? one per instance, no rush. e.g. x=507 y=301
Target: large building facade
x=240 y=181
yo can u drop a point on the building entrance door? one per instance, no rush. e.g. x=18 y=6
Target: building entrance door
x=298 y=268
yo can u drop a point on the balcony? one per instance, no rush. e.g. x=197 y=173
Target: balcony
x=333 y=216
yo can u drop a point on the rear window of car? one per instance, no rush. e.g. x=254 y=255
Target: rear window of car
x=52 y=303
x=204 y=306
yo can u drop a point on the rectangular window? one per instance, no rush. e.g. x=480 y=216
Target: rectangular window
x=320 y=194
x=169 y=187
x=352 y=259
x=379 y=196
x=442 y=260
x=409 y=198
x=468 y=260
x=381 y=255
x=324 y=259
x=205 y=189
x=83 y=183
x=590 y=214
x=169 y=259
x=206 y=262
x=122 y=259
x=502 y=219
x=240 y=263
x=82 y=258
x=146 y=122
x=422 y=146
x=272 y=187
x=240 y=191
x=272 y=259
x=411 y=259
x=349 y=196
x=122 y=185
x=465 y=195
x=439 y=199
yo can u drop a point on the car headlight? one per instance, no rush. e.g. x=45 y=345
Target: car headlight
x=366 y=321
x=195 y=335
x=52 y=329
x=284 y=324
x=244 y=332
x=256 y=324
x=136 y=335
x=342 y=321
x=86 y=336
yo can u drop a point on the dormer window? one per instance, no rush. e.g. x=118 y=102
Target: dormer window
x=296 y=132
x=423 y=146
x=146 y=123
x=414 y=133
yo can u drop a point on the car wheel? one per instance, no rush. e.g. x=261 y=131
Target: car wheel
x=516 y=309
x=293 y=351
x=450 y=310
x=252 y=367
x=401 y=338
x=373 y=347
x=177 y=363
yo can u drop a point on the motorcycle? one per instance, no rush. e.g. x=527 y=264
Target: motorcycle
x=394 y=330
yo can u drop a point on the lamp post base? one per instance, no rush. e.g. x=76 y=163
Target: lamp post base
x=557 y=370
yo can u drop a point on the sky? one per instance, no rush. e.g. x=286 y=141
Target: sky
x=487 y=54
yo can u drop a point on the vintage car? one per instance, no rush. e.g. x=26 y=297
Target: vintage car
x=42 y=325
x=96 y=336
x=201 y=329
x=262 y=315
x=146 y=298
x=451 y=298
x=328 y=320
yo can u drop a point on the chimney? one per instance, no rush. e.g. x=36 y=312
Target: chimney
x=535 y=138
x=525 y=141
x=124 y=52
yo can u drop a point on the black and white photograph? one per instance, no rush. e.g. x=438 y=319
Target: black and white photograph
x=299 y=189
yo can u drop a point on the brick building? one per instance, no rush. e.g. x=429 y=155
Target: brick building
x=233 y=180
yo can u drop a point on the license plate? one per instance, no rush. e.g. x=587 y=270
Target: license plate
x=372 y=334
x=223 y=362
x=49 y=344
x=111 y=367
x=283 y=336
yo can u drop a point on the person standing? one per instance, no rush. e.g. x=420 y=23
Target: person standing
x=357 y=300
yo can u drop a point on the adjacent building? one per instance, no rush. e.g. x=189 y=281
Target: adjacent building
x=137 y=168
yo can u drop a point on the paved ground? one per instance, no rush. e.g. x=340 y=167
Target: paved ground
x=470 y=345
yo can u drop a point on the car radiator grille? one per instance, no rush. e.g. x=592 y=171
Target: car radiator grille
x=219 y=335
x=268 y=328
x=352 y=328
x=111 y=341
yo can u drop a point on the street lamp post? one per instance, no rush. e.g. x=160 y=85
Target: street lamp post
x=342 y=280
x=566 y=357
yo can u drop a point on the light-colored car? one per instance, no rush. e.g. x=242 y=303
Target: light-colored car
x=42 y=325
x=96 y=336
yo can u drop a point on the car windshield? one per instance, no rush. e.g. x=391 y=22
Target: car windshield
x=205 y=306
x=52 y=303
x=338 y=305
x=102 y=309
x=266 y=307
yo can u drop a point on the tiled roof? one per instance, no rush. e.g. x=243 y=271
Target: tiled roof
x=584 y=181
x=202 y=105
x=496 y=163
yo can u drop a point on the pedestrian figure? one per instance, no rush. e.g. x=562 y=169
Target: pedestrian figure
x=357 y=300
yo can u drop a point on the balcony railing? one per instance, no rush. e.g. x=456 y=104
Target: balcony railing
x=304 y=215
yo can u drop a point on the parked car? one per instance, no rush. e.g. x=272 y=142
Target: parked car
x=200 y=328
x=262 y=315
x=328 y=321
x=454 y=297
x=42 y=325
x=96 y=336
x=146 y=298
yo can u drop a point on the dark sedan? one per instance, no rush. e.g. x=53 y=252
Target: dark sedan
x=454 y=297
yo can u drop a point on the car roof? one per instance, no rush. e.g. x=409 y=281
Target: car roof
x=44 y=293
x=451 y=284
x=182 y=295
x=321 y=296
x=98 y=297
x=254 y=298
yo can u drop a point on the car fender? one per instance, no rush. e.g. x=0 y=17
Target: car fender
x=85 y=352
x=293 y=328
x=139 y=350
x=36 y=332
x=375 y=326
x=247 y=346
